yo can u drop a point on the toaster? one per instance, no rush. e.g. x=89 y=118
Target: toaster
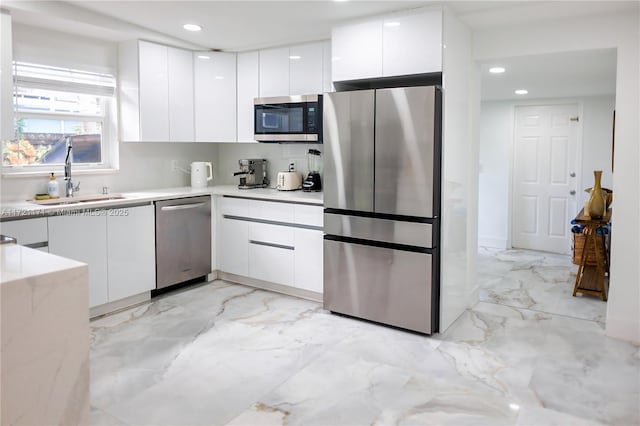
x=289 y=181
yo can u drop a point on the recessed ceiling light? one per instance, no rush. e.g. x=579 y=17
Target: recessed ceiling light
x=392 y=24
x=203 y=57
x=340 y=1
x=295 y=57
x=219 y=77
x=496 y=70
x=514 y=407
x=521 y=92
x=192 y=27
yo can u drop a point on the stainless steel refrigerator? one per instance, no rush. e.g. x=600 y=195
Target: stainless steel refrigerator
x=382 y=205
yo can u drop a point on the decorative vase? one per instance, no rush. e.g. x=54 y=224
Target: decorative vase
x=596 y=201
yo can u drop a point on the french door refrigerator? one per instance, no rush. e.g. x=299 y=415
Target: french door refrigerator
x=382 y=205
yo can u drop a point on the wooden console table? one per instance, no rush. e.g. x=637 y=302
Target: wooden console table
x=591 y=278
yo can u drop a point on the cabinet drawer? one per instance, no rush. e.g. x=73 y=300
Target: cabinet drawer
x=308 y=215
x=234 y=206
x=271 y=264
x=27 y=231
x=267 y=210
x=271 y=234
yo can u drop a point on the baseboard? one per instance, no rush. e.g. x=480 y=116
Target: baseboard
x=119 y=305
x=492 y=242
x=266 y=285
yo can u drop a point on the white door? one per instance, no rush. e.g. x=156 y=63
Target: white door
x=544 y=197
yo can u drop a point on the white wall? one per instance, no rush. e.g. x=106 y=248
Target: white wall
x=496 y=159
x=142 y=166
x=615 y=31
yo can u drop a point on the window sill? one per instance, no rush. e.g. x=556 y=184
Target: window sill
x=40 y=173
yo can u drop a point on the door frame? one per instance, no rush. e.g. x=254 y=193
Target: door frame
x=512 y=145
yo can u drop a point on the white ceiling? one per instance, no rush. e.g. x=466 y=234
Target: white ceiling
x=245 y=25
x=558 y=75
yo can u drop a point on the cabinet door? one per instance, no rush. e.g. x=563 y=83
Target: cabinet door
x=357 y=51
x=305 y=69
x=412 y=44
x=83 y=238
x=215 y=96
x=27 y=231
x=233 y=238
x=154 y=92
x=308 y=260
x=248 y=89
x=131 y=251
x=181 y=127
x=274 y=72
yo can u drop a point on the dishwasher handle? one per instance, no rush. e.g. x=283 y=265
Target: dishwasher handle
x=181 y=207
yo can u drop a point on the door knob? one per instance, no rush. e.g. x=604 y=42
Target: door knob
x=572 y=174
x=572 y=192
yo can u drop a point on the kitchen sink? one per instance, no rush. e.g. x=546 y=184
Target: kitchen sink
x=78 y=200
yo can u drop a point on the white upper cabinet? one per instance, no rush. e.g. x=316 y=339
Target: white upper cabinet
x=154 y=92
x=248 y=89
x=412 y=43
x=155 y=84
x=305 y=69
x=391 y=45
x=215 y=96
x=274 y=72
x=181 y=115
x=357 y=50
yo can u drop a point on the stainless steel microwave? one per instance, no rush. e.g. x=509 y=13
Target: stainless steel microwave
x=288 y=119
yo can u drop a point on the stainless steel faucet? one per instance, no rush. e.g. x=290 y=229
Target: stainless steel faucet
x=70 y=189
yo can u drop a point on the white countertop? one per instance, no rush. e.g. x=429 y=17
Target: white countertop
x=18 y=262
x=25 y=209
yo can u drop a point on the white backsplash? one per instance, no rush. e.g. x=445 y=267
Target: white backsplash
x=279 y=156
x=147 y=165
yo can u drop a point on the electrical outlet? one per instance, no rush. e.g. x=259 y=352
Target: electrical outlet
x=174 y=165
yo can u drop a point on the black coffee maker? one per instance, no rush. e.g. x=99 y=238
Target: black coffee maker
x=312 y=182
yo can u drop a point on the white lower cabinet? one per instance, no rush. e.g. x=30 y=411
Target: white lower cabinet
x=233 y=236
x=277 y=242
x=118 y=245
x=130 y=251
x=308 y=259
x=83 y=237
x=271 y=253
x=27 y=232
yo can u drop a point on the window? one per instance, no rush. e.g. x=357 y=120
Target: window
x=55 y=108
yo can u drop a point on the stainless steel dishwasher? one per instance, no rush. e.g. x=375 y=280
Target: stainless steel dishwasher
x=183 y=240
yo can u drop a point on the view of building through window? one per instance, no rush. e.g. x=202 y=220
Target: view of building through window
x=50 y=113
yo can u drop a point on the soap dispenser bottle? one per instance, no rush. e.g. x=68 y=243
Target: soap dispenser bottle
x=53 y=187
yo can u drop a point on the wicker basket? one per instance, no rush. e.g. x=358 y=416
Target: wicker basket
x=578 y=246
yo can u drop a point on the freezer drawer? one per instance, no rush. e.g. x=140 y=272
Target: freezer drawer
x=376 y=229
x=379 y=284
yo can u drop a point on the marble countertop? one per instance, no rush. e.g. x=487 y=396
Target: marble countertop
x=18 y=262
x=25 y=209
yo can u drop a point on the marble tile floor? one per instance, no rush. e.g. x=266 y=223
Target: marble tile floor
x=223 y=353
x=534 y=280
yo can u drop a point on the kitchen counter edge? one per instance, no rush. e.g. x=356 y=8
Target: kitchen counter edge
x=14 y=210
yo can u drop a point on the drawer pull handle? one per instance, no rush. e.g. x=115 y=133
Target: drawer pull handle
x=280 y=246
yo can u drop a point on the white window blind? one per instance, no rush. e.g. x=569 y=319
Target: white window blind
x=63 y=79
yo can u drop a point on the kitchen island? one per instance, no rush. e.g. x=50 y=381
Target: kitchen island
x=44 y=321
